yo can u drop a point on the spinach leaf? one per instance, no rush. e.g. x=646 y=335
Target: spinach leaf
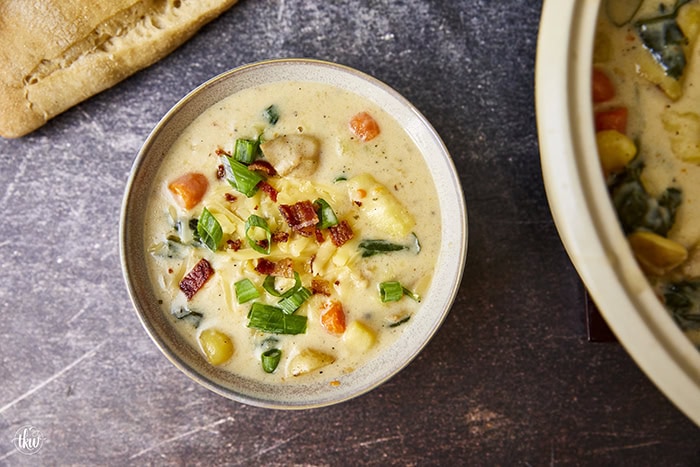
x=663 y=38
x=637 y=209
x=185 y=314
x=682 y=299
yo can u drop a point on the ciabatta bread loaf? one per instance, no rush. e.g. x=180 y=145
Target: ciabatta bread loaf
x=56 y=53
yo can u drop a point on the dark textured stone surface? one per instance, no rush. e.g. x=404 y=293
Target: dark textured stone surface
x=509 y=379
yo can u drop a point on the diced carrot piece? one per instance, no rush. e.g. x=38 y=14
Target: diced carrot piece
x=189 y=188
x=333 y=317
x=364 y=126
x=603 y=88
x=612 y=119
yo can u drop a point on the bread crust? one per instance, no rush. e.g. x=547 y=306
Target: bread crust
x=57 y=53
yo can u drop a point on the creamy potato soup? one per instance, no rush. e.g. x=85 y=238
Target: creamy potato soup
x=646 y=93
x=292 y=231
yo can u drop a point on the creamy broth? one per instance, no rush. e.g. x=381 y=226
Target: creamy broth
x=661 y=143
x=365 y=183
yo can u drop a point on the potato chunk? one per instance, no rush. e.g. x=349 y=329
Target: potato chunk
x=309 y=360
x=684 y=132
x=292 y=154
x=615 y=150
x=380 y=206
x=656 y=254
x=217 y=346
x=358 y=337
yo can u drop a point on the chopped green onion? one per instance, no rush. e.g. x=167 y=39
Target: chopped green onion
x=240 y=178
x=258 y=222
x=246 y=150
x=245 y=291
x=412 y=295
x=393 y=291
x=269 y=286
x=377 y=247
x=292 y=303
x=390 y=291
x=326 y=216
x=271 y=319
x=340 y=178
x=270 y=360
x=271 y=114
x=209 y=230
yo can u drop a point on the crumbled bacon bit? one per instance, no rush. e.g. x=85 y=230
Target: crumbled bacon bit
x=340 y=233
x=234 y=245
x=220 y=171
x=269 y=189
x=220 y=152
x=281 y=268
x=321 y=287
x=196 y=278
x=319 y=236
x=265 y=266
x=229 y=197
x=264 y=167
x=300 y=216
x=280 y=237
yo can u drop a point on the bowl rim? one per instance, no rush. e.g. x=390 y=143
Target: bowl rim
x=584 y=215
x=457 y=256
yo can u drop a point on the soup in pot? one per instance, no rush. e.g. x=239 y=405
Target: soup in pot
x=646 y=95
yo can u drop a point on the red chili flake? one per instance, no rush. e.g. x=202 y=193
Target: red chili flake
x=300 y=216
x=340 y=233
x=234 y=245
x=269 y=189
x=220 y=171
x=196 y=278
x=358 y=203
x=321 y=287
x=220 y=152
x=264 y=167
x=280 y=237
x=229 y=197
